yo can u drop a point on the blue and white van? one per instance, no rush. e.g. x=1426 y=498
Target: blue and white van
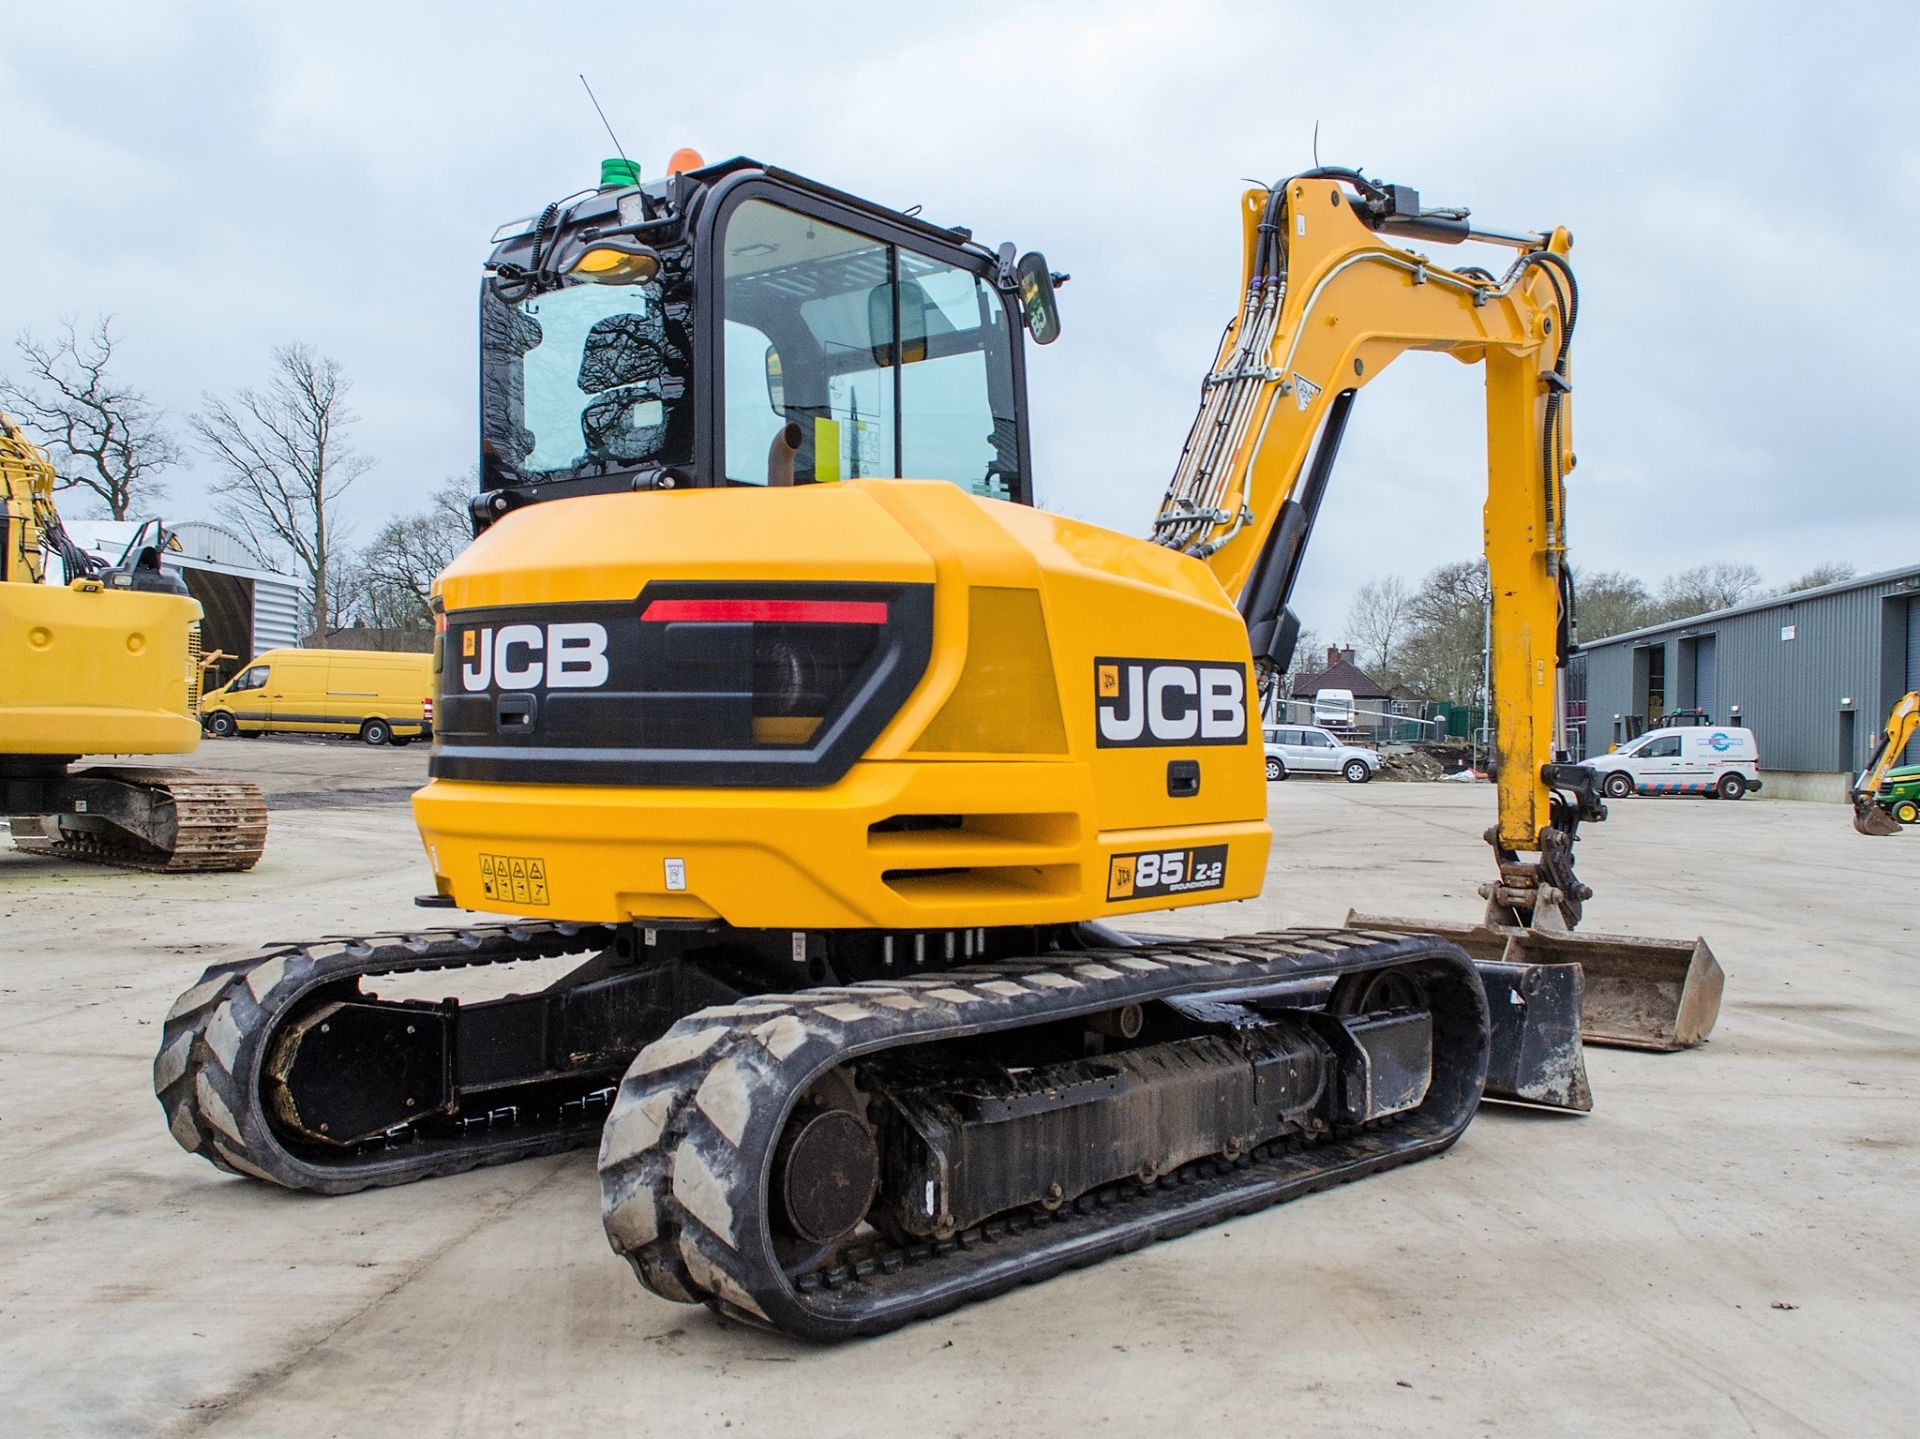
x=1721 y=761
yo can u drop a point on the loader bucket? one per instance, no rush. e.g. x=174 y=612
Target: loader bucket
x=1657 y=994
x=1869 y=818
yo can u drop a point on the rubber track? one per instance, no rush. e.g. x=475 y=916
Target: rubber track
x=686 y=1154
x=219 y=1033
x=220 y=827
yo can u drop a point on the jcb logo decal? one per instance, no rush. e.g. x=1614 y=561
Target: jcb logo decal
x=1169 y=702
x=523 y=657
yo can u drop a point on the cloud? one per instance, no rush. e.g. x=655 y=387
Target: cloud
x=226 y=178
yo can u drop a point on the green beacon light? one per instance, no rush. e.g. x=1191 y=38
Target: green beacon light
x=618 y=173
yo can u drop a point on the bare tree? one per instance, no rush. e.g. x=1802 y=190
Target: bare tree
x=1445 y=631
x=1830 y=572
x=389 y=583
x=286 y=461
x=1309 y=657
x=1378 y=619
x=103 y=436
x=1611 y=602
x=1716 y=585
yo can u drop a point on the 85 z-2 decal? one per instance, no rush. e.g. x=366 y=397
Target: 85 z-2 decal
x=1144 y=702
x=1166 y=871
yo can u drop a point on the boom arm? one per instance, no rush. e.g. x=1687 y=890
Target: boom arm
x=1329 y=303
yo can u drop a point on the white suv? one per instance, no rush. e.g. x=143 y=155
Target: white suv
x=1306 y=749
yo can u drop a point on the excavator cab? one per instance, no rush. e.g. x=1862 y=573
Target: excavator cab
x=826 y=339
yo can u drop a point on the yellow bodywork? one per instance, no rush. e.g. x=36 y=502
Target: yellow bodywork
x=999 y=730
x=84 y=669
x=95 y=671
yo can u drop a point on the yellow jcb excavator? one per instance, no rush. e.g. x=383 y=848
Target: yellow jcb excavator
x=834 y=785
x=107 y=663
x=1887 y=795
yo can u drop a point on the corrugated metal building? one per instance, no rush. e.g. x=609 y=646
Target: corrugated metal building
x=1812 y=674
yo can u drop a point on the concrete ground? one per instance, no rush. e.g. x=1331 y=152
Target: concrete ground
x=1725 y=1246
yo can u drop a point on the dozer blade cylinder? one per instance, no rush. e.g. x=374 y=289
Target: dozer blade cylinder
x=1657 y=994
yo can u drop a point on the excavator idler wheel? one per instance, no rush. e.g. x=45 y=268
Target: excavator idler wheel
x=1374 y=990
x=828 y=1170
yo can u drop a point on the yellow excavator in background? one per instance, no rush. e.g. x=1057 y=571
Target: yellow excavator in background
x=107 y=663
x=831 y=786
x=1887 y=796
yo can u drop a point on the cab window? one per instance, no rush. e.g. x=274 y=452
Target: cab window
x=1319 y=739
x=1666 y=747
x=892 y=363
x=253 y=679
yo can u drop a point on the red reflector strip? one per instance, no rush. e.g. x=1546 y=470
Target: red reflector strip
x=789 y=612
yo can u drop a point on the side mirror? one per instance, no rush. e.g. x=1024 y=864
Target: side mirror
x=914 y=306
x=1036 y=298
x=776 y=382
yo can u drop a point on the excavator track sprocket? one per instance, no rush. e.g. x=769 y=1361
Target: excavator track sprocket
x=691 y=1145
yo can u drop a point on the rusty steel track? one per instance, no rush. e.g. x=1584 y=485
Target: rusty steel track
x=219 y=826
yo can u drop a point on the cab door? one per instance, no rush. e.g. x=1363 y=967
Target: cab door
x=247 y=698
x=1317 y=752
x=1293 y=749
x=1657 y=766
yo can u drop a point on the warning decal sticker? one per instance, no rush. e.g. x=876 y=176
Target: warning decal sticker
x=514 y=878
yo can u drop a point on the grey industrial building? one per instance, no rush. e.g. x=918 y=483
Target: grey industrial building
x=1812 y=674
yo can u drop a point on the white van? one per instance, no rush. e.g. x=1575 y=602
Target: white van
x=1717 y=760
x=1333 y=707
x=381 y=696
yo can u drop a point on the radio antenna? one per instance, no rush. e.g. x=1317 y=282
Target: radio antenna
x=603 y=120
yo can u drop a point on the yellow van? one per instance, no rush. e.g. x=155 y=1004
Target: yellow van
x=383 y=698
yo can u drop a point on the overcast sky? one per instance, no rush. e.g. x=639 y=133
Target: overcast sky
x=225 y=178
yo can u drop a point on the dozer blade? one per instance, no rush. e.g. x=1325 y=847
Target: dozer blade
x=1658 y=994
